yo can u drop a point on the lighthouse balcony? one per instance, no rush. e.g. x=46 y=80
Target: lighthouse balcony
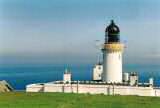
x=113 y=47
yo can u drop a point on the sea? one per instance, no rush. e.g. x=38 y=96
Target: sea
x=21 y=75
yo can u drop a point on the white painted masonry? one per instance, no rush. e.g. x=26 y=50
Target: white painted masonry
x=94 y=89
x=112 y=67
x=97 y=72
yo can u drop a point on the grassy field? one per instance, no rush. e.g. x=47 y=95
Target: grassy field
x=61 y=100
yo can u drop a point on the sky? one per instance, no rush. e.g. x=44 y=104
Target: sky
x=65 y=31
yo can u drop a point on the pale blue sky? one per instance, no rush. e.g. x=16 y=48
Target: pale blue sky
x=52 y=31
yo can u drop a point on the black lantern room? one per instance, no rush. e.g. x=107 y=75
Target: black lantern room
x=112 y=33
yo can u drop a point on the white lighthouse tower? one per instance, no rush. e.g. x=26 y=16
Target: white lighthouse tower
x=112 y=55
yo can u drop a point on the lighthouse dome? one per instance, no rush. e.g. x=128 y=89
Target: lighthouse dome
x=112 y=33
x=112 y=28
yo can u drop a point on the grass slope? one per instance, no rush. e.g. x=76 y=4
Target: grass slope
x=61 y=100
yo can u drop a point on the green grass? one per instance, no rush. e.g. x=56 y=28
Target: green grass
x=61 y=100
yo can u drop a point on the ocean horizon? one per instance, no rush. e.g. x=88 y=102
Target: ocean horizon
x=21 y=75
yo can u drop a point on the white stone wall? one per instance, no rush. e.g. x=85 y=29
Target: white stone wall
x=35 y=88
x=53 y=88
x=157 y=92
x=94 y=89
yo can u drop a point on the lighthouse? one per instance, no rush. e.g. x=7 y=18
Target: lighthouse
x=112 y=55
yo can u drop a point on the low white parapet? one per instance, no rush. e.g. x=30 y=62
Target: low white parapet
x=35 y=88
x=157 y=92
x=93 y=89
